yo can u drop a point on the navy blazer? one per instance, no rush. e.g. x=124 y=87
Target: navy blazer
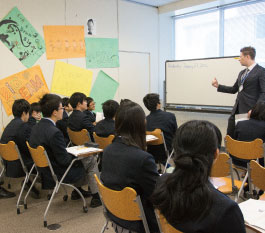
x=91 y=115
x=224 y=216
x=19 y=132
x=128 y=166
x=46 y=134
x=105 y=127
x=253 y=89
x=62 y=125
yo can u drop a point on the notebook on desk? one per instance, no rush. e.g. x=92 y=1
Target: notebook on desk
x=81 y=150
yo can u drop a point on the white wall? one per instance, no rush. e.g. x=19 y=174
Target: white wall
x=136 y=26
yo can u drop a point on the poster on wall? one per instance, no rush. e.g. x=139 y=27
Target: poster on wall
x=90 y=27
x=64 y=41
x=20 y=37
x=102 y=52
x=104 y=89
x=68 y=79
x=28 y=84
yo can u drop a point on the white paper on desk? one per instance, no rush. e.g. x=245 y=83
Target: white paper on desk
x=241 y=117
x=79 y=150
x=217 y=182
x=150 y=138
x=254 y=212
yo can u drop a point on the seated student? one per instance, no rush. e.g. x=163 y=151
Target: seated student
x=186 y=198
x=62 y=124
x=90 y=108
x=18 y=130
x=46 y=134
x=106 y=127
x=34 y=114
x=126 y=163
x=78 y=120
x=158 y=119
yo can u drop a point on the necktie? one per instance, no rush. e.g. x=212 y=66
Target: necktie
x=243 y=77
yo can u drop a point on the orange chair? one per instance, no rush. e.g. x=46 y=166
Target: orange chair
x=103 y=141
x=78 y=137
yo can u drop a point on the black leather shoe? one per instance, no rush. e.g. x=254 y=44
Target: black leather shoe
x=6 y=194
x=75 y=195
x=95 y=202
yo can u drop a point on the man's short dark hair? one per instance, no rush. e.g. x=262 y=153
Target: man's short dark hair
x=49 y=103
x=20 y=106
x=34 y=107
x=151 y=100
x=89 y=100
x=90 y=20
x=76 y=98
x=110 y=108
x=65 y=101
x=249 y=51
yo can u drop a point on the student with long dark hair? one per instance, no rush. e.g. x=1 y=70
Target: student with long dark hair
x=186 y=198
x=125 y=163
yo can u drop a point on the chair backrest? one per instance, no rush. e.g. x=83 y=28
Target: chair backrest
x=244 y=150
x=164 y=226
x=157 y=133
x=103 y=141
x=78 y=137
x=9 y=151
x=221 y=166
x=257 y=174
x=38 y=156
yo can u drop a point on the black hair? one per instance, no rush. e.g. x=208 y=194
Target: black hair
x=249 y=51
x=49 y=103
x=89 y=100
x=258 y=111
x=65 y=101
x=90 y=20
x=185 y=195
x=110 y=108
x=19 y=106
x=34 y=107
x=124 y=101
x=76 y=98
x=151 y=100
x=130 y=124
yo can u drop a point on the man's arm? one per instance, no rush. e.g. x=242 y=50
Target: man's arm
x=228 y=89
x=262 y=85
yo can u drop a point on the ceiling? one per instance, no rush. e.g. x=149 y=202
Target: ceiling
x=155 y=3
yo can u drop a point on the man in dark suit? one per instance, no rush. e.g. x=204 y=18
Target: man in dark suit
x=250 y=86
x=46 y=134
x=78 y=120
x=158 y=119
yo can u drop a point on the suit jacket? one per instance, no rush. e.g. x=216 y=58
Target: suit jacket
x=91 y=115
x=78 y=121
x=62 y=125
x=224 y=216
x=133 y=168
x=19 y=132
x=46 y=134
x=253 y=90
x=105 y=127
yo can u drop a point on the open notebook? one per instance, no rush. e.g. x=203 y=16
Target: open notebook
x=81 y=150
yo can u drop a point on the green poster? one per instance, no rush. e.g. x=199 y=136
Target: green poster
x=103 y=89
x=102 y=52
x=21 y=38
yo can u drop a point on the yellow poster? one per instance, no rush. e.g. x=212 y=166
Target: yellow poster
x=28 y=84
x=64 y=41
x=68 y=79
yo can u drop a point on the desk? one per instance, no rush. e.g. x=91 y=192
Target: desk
x=150 y=138
x=82 y=151
x=253 y=229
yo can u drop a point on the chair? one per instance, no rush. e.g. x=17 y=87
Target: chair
x=124 y=204
x=78 y=137
x=10 y=152
x=244 y=150
x=257 y=176
x=222 y=168
x=103 y=141
x=164 y=226
x=41 y=160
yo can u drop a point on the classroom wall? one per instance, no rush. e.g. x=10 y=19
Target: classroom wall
x=136 y=26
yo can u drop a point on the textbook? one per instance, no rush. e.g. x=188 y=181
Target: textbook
x=150 y=138
x=254 y=212
x=82 y=150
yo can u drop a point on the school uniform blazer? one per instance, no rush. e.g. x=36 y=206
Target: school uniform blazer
x=105 y=127
x=224 y=216
x=62 y=125
x=78 y=121
x=91 y=115
x=19 y=132
x=253 y=89
x=46 y=134
x=166 y=121
x=128 y=166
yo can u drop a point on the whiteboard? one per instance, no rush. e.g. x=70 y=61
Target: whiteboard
x=190 y=81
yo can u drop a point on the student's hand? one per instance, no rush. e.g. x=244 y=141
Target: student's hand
x=94 y=123
x=215 y=83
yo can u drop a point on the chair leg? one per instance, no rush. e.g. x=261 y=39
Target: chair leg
x=9 y=185
x=237 y=173
x=241 y=188
x=31 y=186
x=81 y=195
x=105 y=227
x=20 y=193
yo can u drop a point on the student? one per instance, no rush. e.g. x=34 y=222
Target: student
x=158 y=119
x=18 y=130
x=90 y=108
x=186 y=198
x=126 y=163
x=78 y=120
x=34 y=114
x=62 y=124
x=46 y=134
x=106 y=127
